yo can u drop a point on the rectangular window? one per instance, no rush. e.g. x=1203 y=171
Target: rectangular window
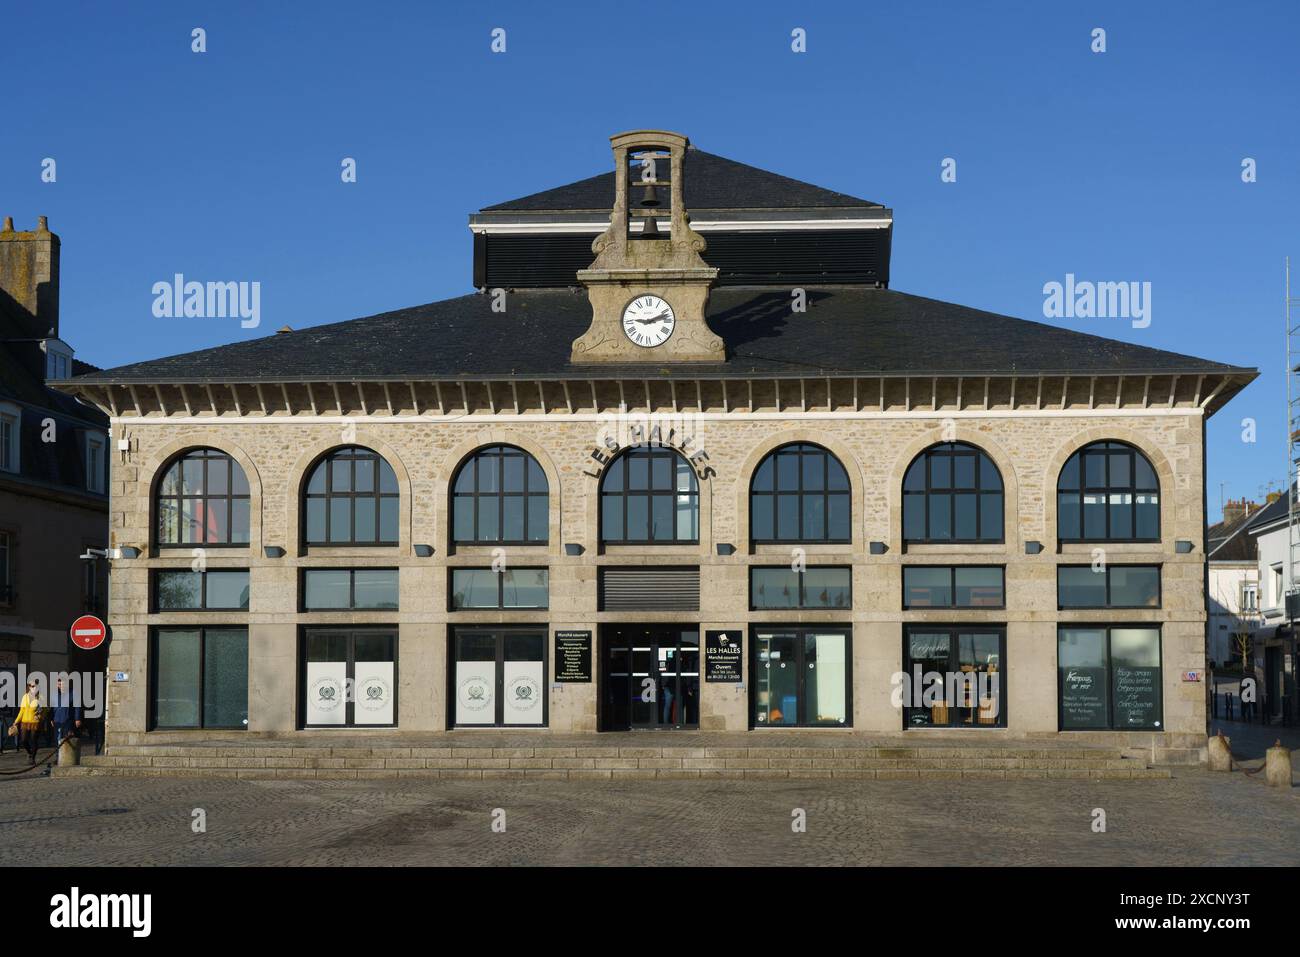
x=349 y=678
x=954 y=677
x=1249 y=596
x=95 y=445
x=92 y=592
x=510 y=588
x=350 y=589
x=498 y=678
x=224 y=590
x=200 y=678
x=1109 y=678
x=58 y=365
x=1112 y=586
x=953 y=586
x=818 y=587
x=801 y=677
x=9 y=431
x=6 y=570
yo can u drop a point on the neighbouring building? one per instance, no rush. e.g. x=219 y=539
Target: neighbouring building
x=53 y=469
x=1273 y=646
x=666 y=471
x=1233 y=582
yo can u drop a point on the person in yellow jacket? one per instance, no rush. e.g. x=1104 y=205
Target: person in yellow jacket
x=30 y=715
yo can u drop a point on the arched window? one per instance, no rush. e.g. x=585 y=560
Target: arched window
x=649 y=495
x=500 y=496
x=351 y=498
x=800 y=493
x=1108 y=492
x=952 y=492
x=202 y=500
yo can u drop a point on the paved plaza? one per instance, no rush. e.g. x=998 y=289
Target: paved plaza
x=1197 y=818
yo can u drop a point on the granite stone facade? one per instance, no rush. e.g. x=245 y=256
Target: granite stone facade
x=1028 y=446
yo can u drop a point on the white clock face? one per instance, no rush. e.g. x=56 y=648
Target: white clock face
x=648 y=321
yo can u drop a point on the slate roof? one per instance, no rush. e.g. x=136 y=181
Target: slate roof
x=46 y=464
x=1225 y=541
x=708 y=182
x=847 y=330
x=1274 y=511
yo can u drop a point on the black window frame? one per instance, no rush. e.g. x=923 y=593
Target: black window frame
x=155 y=632
x=156 y=608
x=350 y=452
x=350 y=673
x=501 y=588
x=1107 y=628
x=801 y=631
x=651 y=452
x=953 y=451
x=802 y=573
x=1160 y=585
x=769 y=497
x=1106 y=448
x=954 y=631
x=352 y=588
x=500 y=452
x=207 y=454
x=499 y=633
x=952 y=588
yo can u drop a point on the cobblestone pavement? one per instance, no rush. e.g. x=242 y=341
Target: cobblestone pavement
x=1198 y=818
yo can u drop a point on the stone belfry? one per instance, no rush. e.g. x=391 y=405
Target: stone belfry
x=648 y=286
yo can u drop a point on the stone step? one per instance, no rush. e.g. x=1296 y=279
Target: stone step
x=804 y=762
x=1136 y=772
x=469 y=752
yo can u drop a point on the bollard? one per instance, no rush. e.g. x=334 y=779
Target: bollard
x=70 y=752
x=1277 y=766
x=1220 y=754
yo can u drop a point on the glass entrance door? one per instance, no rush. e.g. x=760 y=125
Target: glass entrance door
x=801 y=677
x=498 y=678
x=650 y=676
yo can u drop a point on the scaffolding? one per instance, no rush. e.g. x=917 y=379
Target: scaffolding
x=1293 y=450
x=1290 y=599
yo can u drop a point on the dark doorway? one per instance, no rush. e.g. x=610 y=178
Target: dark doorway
x=650 y=677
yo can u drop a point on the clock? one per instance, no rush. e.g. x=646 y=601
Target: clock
x=648 y=321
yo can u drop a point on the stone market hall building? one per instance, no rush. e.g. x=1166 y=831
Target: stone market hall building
x=666 y=471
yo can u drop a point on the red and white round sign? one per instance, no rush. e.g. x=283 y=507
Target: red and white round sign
x=88 y=632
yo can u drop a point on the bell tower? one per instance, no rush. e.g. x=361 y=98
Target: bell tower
x=648 y=286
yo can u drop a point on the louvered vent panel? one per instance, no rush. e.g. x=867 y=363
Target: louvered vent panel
x=650 y=589
x=841 y=256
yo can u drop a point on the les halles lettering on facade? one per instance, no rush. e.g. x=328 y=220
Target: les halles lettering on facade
x=402 y=516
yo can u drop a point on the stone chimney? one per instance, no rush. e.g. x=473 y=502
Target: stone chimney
x=1236 y=510
x=29 y=277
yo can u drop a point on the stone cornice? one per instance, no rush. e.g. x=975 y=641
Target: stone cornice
x=812 y=395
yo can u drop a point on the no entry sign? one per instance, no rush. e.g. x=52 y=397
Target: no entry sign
x=88 y=632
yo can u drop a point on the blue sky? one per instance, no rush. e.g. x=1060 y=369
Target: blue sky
x=1124 y=165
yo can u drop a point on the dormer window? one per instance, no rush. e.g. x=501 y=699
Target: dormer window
x=58 y=359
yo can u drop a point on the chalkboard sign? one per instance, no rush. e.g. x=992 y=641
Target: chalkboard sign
x=1137 y=698
x=573 y=656
x=722 y=654
x=1083 y=698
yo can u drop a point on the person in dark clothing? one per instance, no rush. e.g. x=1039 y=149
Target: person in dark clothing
x=65 y=714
